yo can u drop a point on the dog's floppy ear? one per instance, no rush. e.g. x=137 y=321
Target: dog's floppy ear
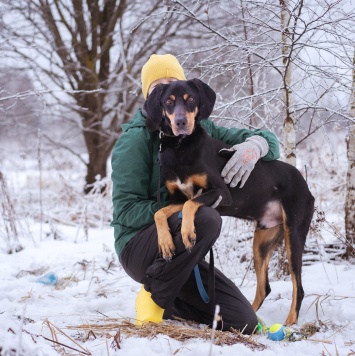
x=208 y=98
x=152 y=109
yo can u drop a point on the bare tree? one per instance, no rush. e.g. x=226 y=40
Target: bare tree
x=18 y=109
x=297 y=55
x=93 y=51
x=287 y=36
x=350 y=179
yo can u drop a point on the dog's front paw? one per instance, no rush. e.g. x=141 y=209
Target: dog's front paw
x=188 y=236
x=166 y=246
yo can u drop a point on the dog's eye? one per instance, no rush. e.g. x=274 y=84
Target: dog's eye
x=191 y=99
x=169 y=102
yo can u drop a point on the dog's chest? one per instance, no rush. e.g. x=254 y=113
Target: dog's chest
x=187 y=187
x=185 y=167
x=172 y=158
x=190 y=186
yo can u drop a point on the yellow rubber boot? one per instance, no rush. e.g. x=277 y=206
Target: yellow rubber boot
x=146 y=308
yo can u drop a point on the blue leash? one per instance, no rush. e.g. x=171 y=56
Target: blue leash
x=207 y=298
x=200 y=285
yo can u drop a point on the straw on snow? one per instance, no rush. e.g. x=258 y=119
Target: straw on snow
x=178 y=331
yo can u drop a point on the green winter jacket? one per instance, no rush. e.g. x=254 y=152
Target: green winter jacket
x=135 y=173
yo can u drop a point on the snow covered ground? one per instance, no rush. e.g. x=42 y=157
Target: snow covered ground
x=91 y=284
x=75 y=242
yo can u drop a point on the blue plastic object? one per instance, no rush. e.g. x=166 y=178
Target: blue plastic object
x=49 y=278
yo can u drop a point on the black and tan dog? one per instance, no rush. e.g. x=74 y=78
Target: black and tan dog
x=275 y=195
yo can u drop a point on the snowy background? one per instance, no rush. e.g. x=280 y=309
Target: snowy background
x=62 y=231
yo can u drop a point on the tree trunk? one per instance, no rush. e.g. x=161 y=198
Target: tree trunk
x=98 y=151
x=253 y=119
x=350 y=179
x=97 y=142
x=288 y=124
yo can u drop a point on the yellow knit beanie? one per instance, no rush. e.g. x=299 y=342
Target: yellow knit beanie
x=160 y=66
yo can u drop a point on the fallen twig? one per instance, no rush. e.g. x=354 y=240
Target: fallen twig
x=53 y=328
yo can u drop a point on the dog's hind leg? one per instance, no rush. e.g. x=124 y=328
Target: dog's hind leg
x=294 y=250
x=296 y=230
x=264 y=244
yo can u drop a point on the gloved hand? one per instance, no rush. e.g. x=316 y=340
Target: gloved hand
x=240 y=165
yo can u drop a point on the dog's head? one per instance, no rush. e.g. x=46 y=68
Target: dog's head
x=174 y=108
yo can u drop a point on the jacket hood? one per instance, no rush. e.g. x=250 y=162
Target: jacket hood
x=137 y=121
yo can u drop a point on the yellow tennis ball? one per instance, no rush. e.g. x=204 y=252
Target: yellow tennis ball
x=276 y=332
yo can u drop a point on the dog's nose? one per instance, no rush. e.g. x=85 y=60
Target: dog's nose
x=180 y=121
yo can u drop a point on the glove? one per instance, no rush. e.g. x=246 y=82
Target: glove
x=240 y=165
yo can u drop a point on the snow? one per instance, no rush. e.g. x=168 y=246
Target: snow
x=92 y=285
x=85 y=292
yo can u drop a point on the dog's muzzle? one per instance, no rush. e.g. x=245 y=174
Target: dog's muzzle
x=181 y=126
x=180 y=122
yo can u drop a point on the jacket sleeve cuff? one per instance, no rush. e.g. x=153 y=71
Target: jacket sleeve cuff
x=261 y=143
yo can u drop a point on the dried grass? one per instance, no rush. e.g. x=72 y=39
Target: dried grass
x=113 y=330
x=9 y=223
x=177 y=330
x=309 y=329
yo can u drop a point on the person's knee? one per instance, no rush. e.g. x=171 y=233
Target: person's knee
x=208 y=221
x=250 y=324
x=246 y=323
